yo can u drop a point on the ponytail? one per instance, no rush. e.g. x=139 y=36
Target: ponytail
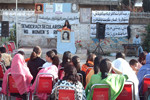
x=104 y=75
x=36 y=52
x=33 y=55
x=55 y=60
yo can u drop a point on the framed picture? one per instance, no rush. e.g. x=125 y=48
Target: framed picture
x=85 y=15
x=39 y=8
x=74 y=8
x=65 y=36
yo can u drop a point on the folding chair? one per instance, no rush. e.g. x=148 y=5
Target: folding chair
x=11 y=87
x=60 y=73
x=2 y=71
x=81 y=77
x=88 y=70
x=44 y=84
x=13 y=45
x=9 y=48
x=146 y=83
x=100 y=92
x=128 y=92
x=66 y=93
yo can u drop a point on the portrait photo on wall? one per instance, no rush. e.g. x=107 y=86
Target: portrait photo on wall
x=39 y=8
x=65 y=36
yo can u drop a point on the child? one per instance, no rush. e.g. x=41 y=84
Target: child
x=134 y=63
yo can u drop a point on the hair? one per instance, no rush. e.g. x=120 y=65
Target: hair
x=120 y=55
x=3 y=50
x=65 y=23
x=55 y=51
x=0 y=55
x=54 y=58
x=91 y=57
x=97 y=61
x=76 y=62
x=66 y=58
x=133 y=62
x=105 y=66
x=70 y=73
x=35 y=53
x=21 y=52
x=40 y=6
x=142 y=57
x=64 y=33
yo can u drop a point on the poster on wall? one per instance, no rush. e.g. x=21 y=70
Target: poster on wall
x=65 y=36
x=85 y=15
x=53 y=18
x=39 y=8
x=49 y=30
x=58 y=8
x=110 y=16
x=111 y=30
x=49 y=7
x=74 y=8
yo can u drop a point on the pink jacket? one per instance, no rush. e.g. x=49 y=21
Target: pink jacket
x=51 y=70
x=18 y=68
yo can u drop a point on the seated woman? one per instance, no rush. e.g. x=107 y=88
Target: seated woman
x=18 y=68
x=115 y=81
x=71 y=79
x=89 y=63
x=52 y=69
x=66 y=59
x=76 y=63
x=35 y=61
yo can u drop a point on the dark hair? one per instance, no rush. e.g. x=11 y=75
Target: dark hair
x=76 y=62
x=97 y=61
x=21 y=52
x=54 y=58
x=68 y=25
x=70 y=73
x=67 y=35
x=66 y=58
x=142 y=57
x=120 y=55
x=90 y=58
x=36 y=51
x=105 y=66
x=55 y=51
x=3 y=50
x=40 y=6
x=133 y=62
x=0 y=55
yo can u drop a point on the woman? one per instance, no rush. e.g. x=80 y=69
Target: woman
x=141 y=60
x=35 y=61
x=95 y=70
x=18 y=68
x=89 y=63
x=67 y=25
x=66 y=59
x=76 y=63
x=52 y=69
x=71 y=79
x=115 y=81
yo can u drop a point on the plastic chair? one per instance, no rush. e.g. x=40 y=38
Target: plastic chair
x=11 y=87
x=69 y=93
x=146 y=83
x=2 y=70
x=100 y=92
x=60 y=73
x=44 y=84
x=88 y=70
x=127 y=92
x=9 y=48
x=13 y=45
x=81 y=77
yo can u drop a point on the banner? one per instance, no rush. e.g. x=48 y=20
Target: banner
x=111 y=30
x=23 y=16
x=40 y=29
x=52 y=18
x=110 y=16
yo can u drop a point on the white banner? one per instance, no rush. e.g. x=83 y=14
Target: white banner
x=23 y=16
x=110 y=16
x=49 y=30
x=111 y=30
x=52 y=18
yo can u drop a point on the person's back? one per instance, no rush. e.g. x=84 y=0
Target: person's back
x=145 y=69
x=35 y=62
x=115 y=81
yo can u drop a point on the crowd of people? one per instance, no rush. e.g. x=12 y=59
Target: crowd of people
x=69 y=72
